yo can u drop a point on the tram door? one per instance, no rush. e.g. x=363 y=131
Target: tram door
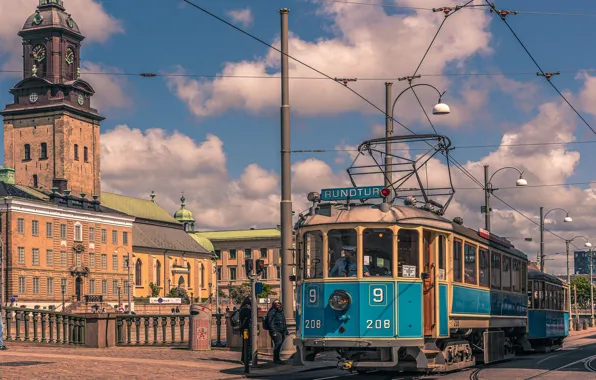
x=429 y=278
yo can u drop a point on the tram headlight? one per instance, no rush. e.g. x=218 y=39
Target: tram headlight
x=340 y=300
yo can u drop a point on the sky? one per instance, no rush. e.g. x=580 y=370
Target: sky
x=217 y=139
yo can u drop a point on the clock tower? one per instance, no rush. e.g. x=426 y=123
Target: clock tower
x=51 y=132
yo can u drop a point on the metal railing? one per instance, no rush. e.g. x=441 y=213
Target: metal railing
x=41 y=326
x=152 y=330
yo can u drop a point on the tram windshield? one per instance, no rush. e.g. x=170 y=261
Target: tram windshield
x=378 y=251
x=313 y=246
x=342 y=257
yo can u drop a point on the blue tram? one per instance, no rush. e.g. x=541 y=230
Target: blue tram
x=402 y=288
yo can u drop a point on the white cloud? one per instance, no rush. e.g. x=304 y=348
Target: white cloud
x=366 y=40
x=110 y=90
x=241 y=16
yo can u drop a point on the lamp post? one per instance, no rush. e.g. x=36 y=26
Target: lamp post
x=567 y=219
x=488 y=190
x=63 y=293
x=567 y=242
x=439 y=109
x=591 y=288
x=118 y=296
x=169 y=285
x=127 y=261
x=2 y=277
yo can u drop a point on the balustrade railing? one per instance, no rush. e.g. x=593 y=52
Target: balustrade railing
x=41 y=326
x=152 y=330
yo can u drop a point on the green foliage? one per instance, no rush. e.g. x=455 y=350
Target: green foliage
x=180 y=293
x=155 y=290
x=238 y=293
x=583 y=292
x=222 y=294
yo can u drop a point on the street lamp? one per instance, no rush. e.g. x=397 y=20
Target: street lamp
x=3 y=288
x=63 y=293
x=488 y=190
x=587 y=245
x=127 y=261
x=591 y=287
x=567 y=219
x=118 y=296
x=439 y=109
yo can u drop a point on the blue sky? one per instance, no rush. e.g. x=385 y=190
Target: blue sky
x=168 y=36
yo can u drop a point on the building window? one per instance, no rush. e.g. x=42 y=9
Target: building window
x=63 y=232
x=115 y=287
x=248 y=253
x=232 y=273
x=76 y=152
x=218 y=273
x=78 y=232
x=104 y=236
x=21 y=226
x=35 y=256
x=35 y=285
x=278 y=270
x=232 y=254
x=264 y=273
x=49 y=257
x=158 y=273
x=104 y=261
x=35 y=181
x=104 y=287
x=62 y=286
x=126 y=288
x=92 y=287
x=115 y=262
x=86 y=154
x=114 y=237
x=63 y=259
x=50 y=287
x=264 y=253
x=27 y=152
x=218 y=254
x=22 y=285
x=202 y=276
x=78 y=259
x=125 y=238
x=189 y=274
x=91 y=234
x=21 y=255
x=35 y=227
x=138 y=268
x=92 y=260
x=49 y=229
x=44 y=151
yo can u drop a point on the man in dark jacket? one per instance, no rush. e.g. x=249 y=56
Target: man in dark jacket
x=278 y=330
x=246 y=324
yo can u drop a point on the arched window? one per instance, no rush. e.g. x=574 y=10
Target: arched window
x=27 y=152
x=189 y=272
x=181 y=282
x=35 y=180
x=78 y=232
x=138 y=268
x=76 y=151
x=158 y=273
x=202 y=275
x=44 y=151
x=86 y=154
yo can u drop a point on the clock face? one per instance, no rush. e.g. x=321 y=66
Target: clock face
x=81 y=100
x=38 y=18
x=33 y=97
x=39 y=53
x=70 y=22
x=69 y=56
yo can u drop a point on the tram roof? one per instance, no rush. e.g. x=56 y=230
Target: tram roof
x=340 y=213
x=534 y=274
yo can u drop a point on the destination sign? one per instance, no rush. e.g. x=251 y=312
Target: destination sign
x=494 y=238
x=340 y=194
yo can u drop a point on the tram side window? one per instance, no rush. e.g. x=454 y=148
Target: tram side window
x=313 y=245
x=537 y=294
x=457 y=253
x=342 y=253
x=495 y=271
x=549 y=296
x=483 y=274
x=530 y=295
x=515 y=276
x=442 y=253
x=407 y=253
x=506 y=273
x=524 y=275
x=470 y=264
x=378 y=251
x=542 y=296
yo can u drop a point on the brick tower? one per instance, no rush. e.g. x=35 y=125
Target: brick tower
x=51 y=133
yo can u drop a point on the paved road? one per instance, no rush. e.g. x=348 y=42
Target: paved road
x=577 y=360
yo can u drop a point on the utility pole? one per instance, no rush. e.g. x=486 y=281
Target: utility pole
x=254 y=317
x=591 y=287
x=3 y=287
x=388 y=131
x=569 y=282
x=541 y=239
x=486 y=200
x=287 y=289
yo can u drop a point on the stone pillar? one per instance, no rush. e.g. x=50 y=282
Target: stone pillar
x=100 y=330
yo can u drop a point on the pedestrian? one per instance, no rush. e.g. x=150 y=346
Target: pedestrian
x=2 y=346
x=275 y=322
x=246 y=324
x=177 y=310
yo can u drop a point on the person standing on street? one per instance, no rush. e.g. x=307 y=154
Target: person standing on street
x=275 y=322
x=2 y=346
x=246 y=324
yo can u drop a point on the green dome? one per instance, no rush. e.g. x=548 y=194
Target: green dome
x=204 y=242
x=183 y=215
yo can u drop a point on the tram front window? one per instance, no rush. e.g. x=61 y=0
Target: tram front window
x=313 y=244
x=342 y=257
x=407 y=253
x=378 y=251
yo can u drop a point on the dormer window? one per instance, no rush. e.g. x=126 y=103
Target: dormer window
x=27 y=152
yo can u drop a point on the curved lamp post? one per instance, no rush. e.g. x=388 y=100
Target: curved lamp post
x=587 y=245
x=127 y=260
x=439 y=109
x=488 y=190
x=567 y=219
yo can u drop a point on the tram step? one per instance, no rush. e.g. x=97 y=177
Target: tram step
x=431 y=352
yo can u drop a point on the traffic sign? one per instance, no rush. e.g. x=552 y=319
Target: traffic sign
x=366 y=192
x=259 y=288
x=160 y=300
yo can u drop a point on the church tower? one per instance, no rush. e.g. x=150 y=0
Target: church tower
x=51 y=133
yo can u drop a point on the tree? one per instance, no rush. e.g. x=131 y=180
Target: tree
x=583 y=292
x=180 y=293
x=239 y=292
x=154 y=289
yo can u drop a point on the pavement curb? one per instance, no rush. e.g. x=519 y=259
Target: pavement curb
x=269 y=372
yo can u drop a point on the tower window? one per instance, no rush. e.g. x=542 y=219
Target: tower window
x=27 y=152
x=44 y=151
x=35 y=183
x=76 y=151
x=86 y=154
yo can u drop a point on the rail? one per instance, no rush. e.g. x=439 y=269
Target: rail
x=152 y=330
x=41 y=326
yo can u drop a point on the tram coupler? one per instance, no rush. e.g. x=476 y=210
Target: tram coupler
x=345 y=365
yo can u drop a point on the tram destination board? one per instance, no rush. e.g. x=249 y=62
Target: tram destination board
x=340 y=194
